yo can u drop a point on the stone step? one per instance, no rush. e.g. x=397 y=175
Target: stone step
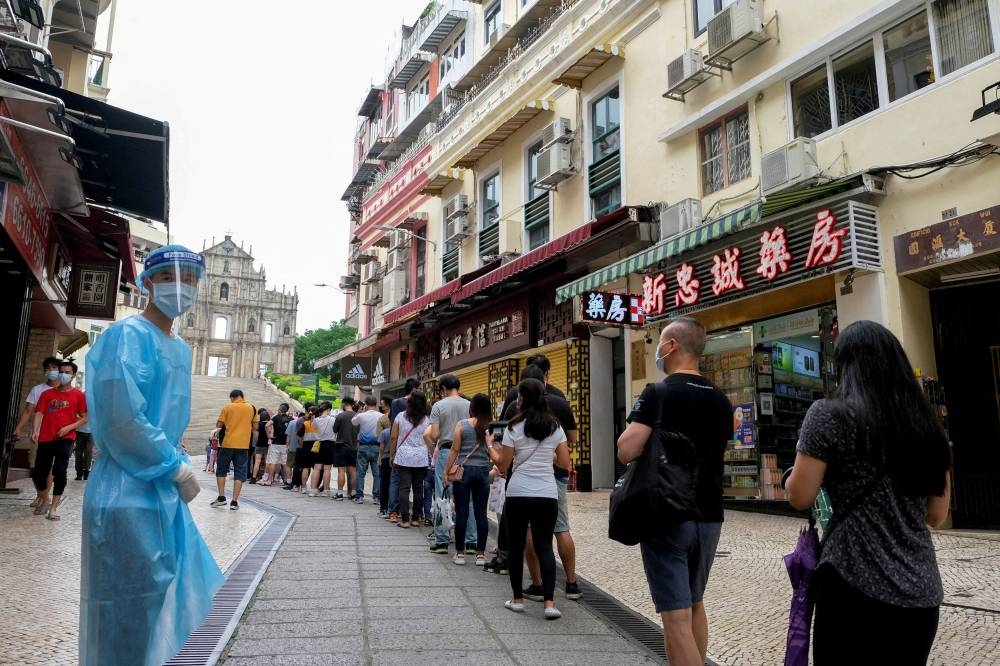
x=210 y=394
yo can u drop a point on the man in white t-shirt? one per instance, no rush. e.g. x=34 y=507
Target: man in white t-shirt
x=50 y=367
x=366 y=421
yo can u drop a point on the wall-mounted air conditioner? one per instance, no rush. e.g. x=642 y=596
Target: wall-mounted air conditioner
x=559 y=130
x=456 y=229
x=685 y=73
x=788 y=166
x=736 y=30
x=457 y=206
x=397 y=259
x=371 y=272
x=555 y=165
x=496 y=35
x=680 y=217
x=373 y=293
x=398 y=238
x=394 y=292
x=349 y=283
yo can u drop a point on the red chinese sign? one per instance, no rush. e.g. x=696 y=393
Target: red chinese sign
x=27 y=217
x=613 y=309
x=774 y=263
x=503 y=329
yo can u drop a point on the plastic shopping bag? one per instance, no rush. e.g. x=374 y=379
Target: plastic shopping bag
x=443 y=517
x=498 y=495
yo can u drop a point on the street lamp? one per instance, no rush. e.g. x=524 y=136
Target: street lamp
x=409 y=233
x=329 y=286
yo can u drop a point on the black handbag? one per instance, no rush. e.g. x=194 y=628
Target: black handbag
x=658 y=489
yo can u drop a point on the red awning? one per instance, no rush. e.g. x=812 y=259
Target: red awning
x=538 y=255
x=98 y=236
x=419 y=304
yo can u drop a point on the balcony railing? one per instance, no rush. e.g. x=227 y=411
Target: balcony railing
x=422 y=140
x=513 y=53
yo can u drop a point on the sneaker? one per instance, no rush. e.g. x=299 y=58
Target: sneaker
x=234 y=506
x=288 y=486
x=302 y=489
x=359 y=500
x=252 y=481
x=339 y=496
x=86 y=475
x=375 y=500
x=384 y=515
x=503 y=568
x=573 y=591
x=313 y=493
x=480 y=560
x=534 y=592
x=440 y=549
x=459 y=559
x=219 y=501
x=428 y=522
x=517 y=607
x=552 y=613
x=394 y=517
x=79 y=477
x=470 y=549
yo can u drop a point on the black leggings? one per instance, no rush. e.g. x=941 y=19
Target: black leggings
x=853 y=628
x=84 y=452
x=385 y=477
x=411 y=477
x=540 y=513
x=52 y=457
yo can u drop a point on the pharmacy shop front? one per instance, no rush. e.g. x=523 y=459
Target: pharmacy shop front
x=773 y=297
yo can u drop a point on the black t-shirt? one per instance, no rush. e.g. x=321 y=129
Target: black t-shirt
x=262 y=433
x=279 y=424
x=698 y=410
x=511 y=399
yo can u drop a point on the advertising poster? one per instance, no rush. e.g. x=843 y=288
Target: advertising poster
x=743 y=427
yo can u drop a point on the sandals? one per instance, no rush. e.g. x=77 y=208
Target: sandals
x=404 y=525
x=52 y=516
x=41 y=509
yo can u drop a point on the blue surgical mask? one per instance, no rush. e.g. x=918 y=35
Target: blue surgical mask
x=660 y=360
x=174 y=298
x=51 y=375
x=65 y=378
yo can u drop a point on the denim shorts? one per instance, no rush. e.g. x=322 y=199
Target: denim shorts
x=238 y=457
x=678 y=563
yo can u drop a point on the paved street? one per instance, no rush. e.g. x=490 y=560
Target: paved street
x=748 y=593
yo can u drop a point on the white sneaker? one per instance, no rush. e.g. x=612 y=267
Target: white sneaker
x=313 y=493
x=552 y=613
x=459 y=559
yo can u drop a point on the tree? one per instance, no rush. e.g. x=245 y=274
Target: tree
x=315 y=344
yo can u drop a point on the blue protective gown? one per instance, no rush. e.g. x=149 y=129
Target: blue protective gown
x=147 y=577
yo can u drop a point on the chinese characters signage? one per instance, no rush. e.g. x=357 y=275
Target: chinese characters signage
x=93 y=289
x=502 y=329
x=975 y=233
x=613 y=309
x=767 y=257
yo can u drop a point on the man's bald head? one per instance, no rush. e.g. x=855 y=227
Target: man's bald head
x=689 y=334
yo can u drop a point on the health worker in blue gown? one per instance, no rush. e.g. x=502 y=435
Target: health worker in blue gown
x=148 y=578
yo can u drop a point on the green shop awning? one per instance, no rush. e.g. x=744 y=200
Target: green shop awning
x=782 y=201
x=665 y=249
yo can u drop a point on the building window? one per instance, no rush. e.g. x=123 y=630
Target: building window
x=491 y=19
x=95 y=332
x=725 y=152
x=420 y=265
x=810 y=109
x=705 y=10
x=489 y=225
x=962 y=32
x=536 y=211
x=286 y=330
x=251 y=327
x=449 y=262
x=606 y=118
x=225 y=267
x=268 y=332
x=190 y=321
x=417 y=98
x=224 y=292
x=451 y=56
x=855 y=83
x=220 y=331
x=604 y=178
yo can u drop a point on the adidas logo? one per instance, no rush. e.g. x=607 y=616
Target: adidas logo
x=378 y=376
x=357 y=372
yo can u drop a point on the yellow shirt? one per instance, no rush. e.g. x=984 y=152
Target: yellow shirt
x=239 y=419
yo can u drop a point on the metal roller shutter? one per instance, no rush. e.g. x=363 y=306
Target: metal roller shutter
x=558 y=372
x=475 y=381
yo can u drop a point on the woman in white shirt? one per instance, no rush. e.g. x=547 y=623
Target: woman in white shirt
x=323 y=459
x=532 y=438
x=409 y=455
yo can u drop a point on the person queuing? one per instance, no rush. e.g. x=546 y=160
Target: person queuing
x=368 y=457
x=50 y=366
x=309 y=447
x=147 y=578
x=445 y=415
x=345 y=450
x=880 y=452
x=59 y=412
x=239 y=421
x=396 y=406
x=293 y=478
x=530 y=441
x=261 y=446
x=323 y=459
x=386 y=474
x=469 y=452
x=409 y=456
x=277 y=451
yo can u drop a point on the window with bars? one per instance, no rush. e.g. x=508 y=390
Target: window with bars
x=420 y=264
x=725 y=152
x=536 y=211
x=604 y=173
x=449 y=262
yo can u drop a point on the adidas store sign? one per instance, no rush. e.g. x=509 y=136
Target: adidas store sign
x=378 y=375
x=355 y=371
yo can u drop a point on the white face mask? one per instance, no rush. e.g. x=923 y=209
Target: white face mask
x=174 y=298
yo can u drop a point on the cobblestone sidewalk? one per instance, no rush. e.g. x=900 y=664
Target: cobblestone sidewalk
x=40 y=569
x=748 y=593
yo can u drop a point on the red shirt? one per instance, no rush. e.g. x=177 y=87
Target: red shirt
x=59 y=409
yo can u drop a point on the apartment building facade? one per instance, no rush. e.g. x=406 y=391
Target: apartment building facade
x=776 y=169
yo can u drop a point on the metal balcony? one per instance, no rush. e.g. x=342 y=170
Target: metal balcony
x=408 y=69
x=440 y=23
x=372 y=101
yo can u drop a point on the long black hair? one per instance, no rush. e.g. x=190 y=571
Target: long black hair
x=880 y=393
x=416 y=407
x=539 y=422
x=481 y=409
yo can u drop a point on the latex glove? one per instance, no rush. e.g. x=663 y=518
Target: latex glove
x=187 y=483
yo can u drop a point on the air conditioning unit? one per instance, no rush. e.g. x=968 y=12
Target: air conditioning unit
x=736 y=30
x=349 y=283
x=559 y=130
x=496 y=36
x=682 y=216
x=370 y=273
x=554 y=165
x=373 y=293
x=685 y=70
x=457 y=206
x=398 y=239
x=394 y=292
x=456 y=229
x=397 y=259
x=788 y=166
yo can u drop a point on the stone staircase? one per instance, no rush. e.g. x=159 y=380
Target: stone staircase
x=210 y=394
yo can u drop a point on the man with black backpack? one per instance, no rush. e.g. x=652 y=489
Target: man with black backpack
x=677 y=564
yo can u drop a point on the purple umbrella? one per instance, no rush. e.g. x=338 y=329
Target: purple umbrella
x=801 y=564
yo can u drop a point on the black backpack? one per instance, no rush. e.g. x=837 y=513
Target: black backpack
x=658 y=489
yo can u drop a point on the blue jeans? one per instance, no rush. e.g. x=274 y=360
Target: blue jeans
x=394 y=491
x=239 y=460
x=444 y=536
x=368 y=458
x=474 y=488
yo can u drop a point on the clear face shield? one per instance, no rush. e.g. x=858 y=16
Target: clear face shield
x=174 y=273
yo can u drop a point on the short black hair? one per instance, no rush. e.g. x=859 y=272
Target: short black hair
x=412 y=384
x=70 y=364
x=542 y=361
x=347 y=401
x=51 y=360
x=283 y=408
x=235 y=393
x=450 y=382
x=370 y=400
